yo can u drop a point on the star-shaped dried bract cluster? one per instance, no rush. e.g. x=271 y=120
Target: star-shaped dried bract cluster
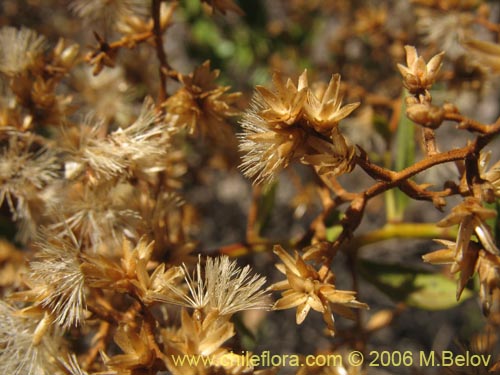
x=468 y=256
x=305 y=289
x=201 y=107
x=417 y=75
x=295 y=122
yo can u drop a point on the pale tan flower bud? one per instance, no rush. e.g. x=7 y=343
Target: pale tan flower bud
x=69 y=55
x=426 y=115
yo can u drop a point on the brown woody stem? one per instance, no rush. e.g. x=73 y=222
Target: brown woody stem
x=160 y=51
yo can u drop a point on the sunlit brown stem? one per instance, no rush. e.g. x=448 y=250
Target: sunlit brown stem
x=493 y=27
x=339 y=191
x=101 y=308
x=99 y=342
x=473 y=125
x=253 y=212
x=129 y=41
x=396 y=115
x=160 y=51
x=150 y=328
x=429 y=139
x=390 y=179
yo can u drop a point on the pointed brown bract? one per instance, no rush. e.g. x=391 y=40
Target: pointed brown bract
x=283 y=106
x=324 y=109
x=465 y=262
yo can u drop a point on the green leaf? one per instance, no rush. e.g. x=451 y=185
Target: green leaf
x=247 y=338
x=405 y=156
x=415 y=287
x=265 y=206
x=205 y=32
x=493 y=222
x=333 y=232
x=381 y=125
x=333 y=225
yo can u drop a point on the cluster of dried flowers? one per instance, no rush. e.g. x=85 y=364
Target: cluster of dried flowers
x=98 y=272
x=296 y=122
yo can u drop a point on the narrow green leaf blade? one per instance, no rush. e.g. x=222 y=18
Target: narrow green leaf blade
x=416 y=288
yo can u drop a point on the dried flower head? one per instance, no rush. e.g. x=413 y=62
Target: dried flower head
x=224 y=288
x=486 y=53
x=201 y=107
x=267 y=151
x=464 y=263
x=324 y=108
x=417 y=75
x=21 y=48
x=98 y=214
x=474 y=259
x=335 y=157
x=492 y=175
x=22 y=352
x=306 y=290
x=471 y=217
x=467 y=256
x=283 y=107
x=109 y=11
x=27 y=172
x=135 y=263
x=197 y=338
x=57 y=279
x=445 y=29
x=291 y=123
x=136 y=350
x=136 y=149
